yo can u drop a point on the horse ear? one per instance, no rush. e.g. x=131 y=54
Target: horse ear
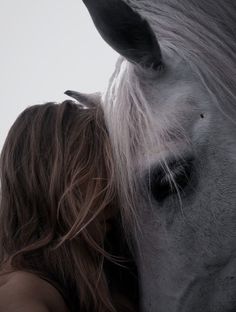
x=88 y=100
x=125 y=31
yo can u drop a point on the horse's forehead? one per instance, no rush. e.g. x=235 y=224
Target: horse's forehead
x=174 y=98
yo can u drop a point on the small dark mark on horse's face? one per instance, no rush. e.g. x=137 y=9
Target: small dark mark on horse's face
x=202 y=116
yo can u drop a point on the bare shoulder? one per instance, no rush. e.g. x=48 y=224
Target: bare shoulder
x=22 y=291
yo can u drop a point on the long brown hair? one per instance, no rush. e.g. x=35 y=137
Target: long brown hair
x=57 y=191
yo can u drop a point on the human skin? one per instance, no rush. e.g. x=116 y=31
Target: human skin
x=25 y=292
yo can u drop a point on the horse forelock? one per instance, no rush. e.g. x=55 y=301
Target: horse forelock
x=134 y=131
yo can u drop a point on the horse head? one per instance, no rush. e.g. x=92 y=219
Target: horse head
x=170 y=112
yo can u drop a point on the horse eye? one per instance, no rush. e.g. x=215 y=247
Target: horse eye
x=165 y=180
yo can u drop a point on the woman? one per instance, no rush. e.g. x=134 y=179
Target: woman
x=57 y=204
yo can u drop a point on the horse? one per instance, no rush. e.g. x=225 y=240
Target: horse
x=170 y=112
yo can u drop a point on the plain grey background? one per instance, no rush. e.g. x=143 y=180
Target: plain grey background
x=47 y=47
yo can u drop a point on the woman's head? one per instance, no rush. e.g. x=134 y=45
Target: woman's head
x=57 y=191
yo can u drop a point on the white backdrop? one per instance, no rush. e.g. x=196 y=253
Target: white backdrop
x=47 y=47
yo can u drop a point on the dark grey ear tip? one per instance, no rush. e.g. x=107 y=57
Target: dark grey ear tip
x=81 y=98
x=68 y=92
x=86 y=99
x=76 y=95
